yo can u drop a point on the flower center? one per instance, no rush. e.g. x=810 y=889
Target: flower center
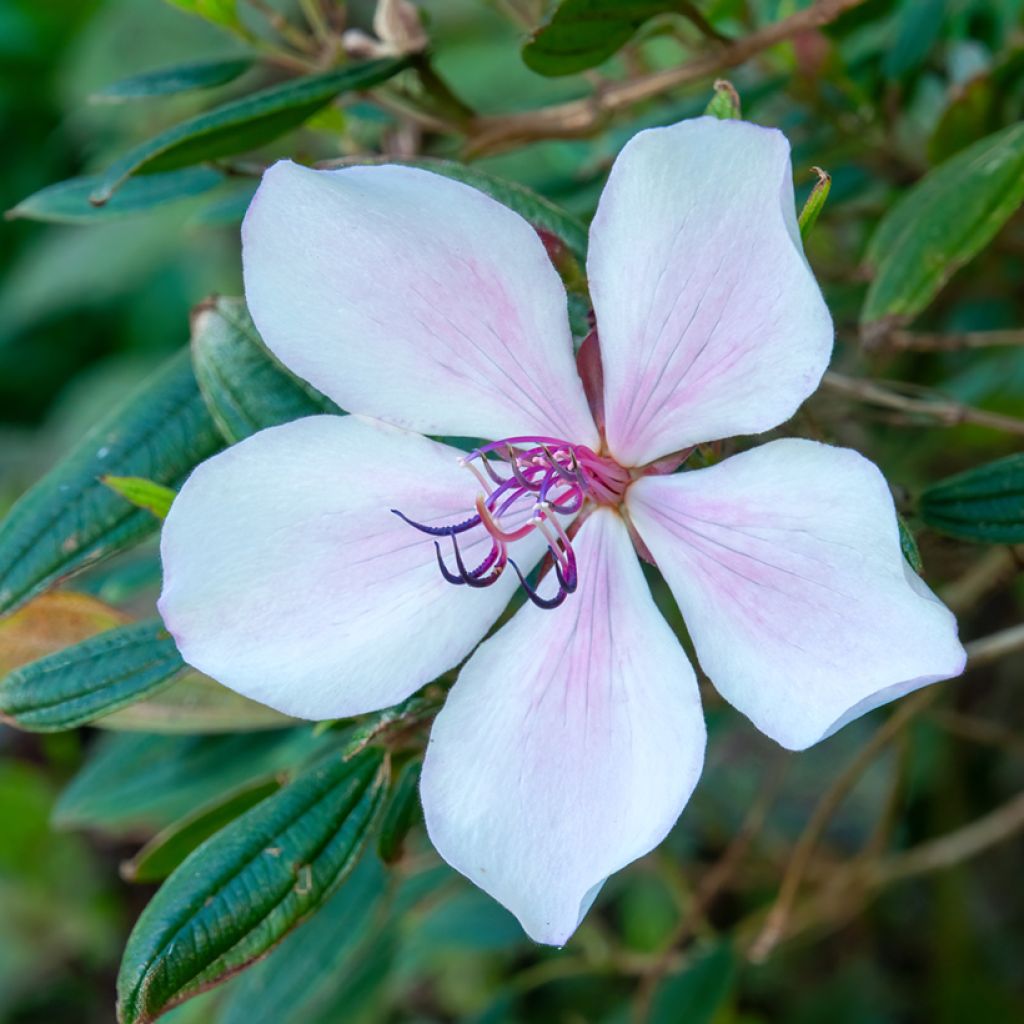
x=529 y=484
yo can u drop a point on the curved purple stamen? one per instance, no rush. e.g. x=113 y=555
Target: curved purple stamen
x=556 y=478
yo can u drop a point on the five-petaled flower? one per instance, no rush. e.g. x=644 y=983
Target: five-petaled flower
x=573 y=737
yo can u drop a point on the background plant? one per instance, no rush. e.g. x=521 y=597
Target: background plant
x=874 y=878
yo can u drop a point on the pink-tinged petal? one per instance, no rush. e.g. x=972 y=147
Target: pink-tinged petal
x=409 y=297
x=786 y=564
x=288 y=578
x=569 y=744
x=711 y=323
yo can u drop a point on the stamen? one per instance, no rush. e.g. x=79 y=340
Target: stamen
x=528 y=483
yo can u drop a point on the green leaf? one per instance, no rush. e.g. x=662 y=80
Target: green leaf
x=909 y=546
x=815 y=202
x=136 y=783
x=199 y=74
x=313 y=971
x=90 y=679
x=218 y=12
x=142 y=493
x=918 y=27
x=70 y=520
x=194 y=704
x=67 y=202
x=244 y=385
x=945 y=220
x=725 y=103
x=168 y=848
x=696 y=993
x=984 y=504
x=242 y=124
x=243 y=890
x=402 y=809
x=584 y=33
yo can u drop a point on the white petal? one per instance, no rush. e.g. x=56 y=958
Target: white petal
x=786 y=564
x=413 y=298
x=569 y=744
x=288 y=578
x=711 y=323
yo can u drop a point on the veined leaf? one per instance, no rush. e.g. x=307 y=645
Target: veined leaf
x=312 y=975
x=168 y=848
x=90 y=679
x=70 y=520
x=50 y=623
x=67 y=202
x=199 y=74
x=984 y=504
x=584 y=33
x=242 y=124
x=136 y=783
x=197 y=705
x=945 y=220
x=244 y=385
x=243 y=890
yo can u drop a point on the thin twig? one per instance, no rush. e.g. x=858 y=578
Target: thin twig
x=952 y=848
x=847 y=890
x=944 y=411
x=284 y=28
x=775 y=923
x=913 y=341
x=979 y=652
x=997 y=566
x=980 y=730
x=585 y=116
x=713 y=882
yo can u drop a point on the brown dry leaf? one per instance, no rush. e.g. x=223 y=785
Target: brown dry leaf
x=52 y=622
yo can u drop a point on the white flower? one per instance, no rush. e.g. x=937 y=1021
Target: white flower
x=573 y=737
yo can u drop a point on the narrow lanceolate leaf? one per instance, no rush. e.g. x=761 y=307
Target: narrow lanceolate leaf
x=725 y=103
x=70 y=520
x=198 y=74
x=169 y=847
x=941 y=224
x=219 y=12
x=584 y=33
x=985 y=504
x=815 y=202
x=142 y=493
x=89 y=679
x=244 y=385
x=242 y=124
x=137 y=784
x=401 y=811
x=244 y=889
x=315 y=976
x=908 y=545
x=67 y=202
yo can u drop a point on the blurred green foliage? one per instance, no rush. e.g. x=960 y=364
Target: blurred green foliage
x=924 y=273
